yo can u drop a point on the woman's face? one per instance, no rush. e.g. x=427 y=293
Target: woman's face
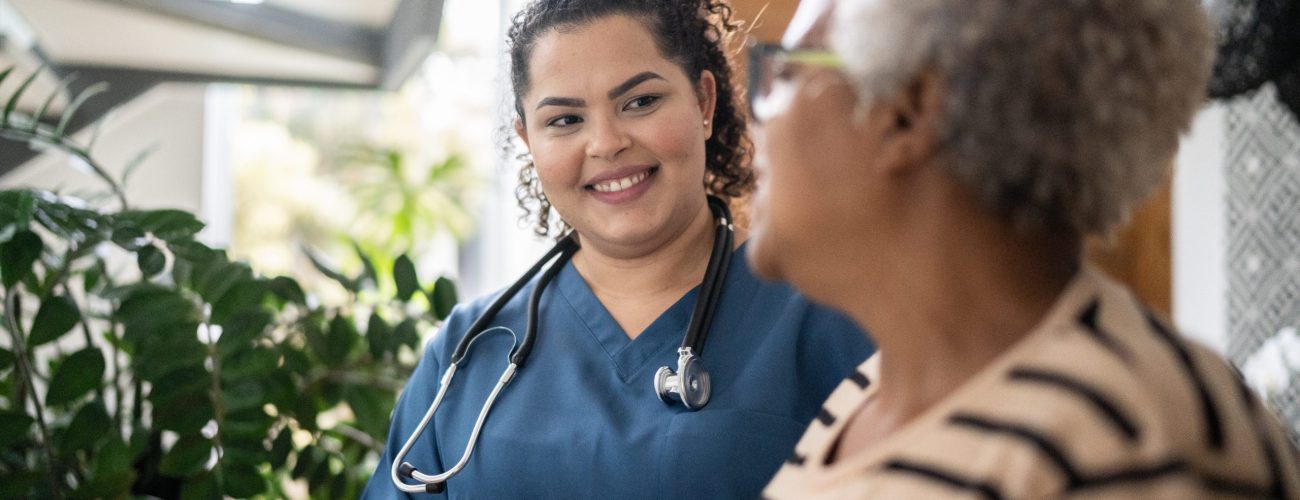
x=616 y=132
x=809 y=208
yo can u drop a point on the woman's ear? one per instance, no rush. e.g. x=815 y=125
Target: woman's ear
x=707 y=91
x=522 y=132
x=908 y=131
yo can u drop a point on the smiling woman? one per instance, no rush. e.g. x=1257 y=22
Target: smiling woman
x=636 y=140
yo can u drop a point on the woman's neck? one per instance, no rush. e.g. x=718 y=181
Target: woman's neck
x=636 y=287
x=963 y=292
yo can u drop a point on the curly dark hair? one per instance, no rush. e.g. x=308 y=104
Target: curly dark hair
x=694 y=34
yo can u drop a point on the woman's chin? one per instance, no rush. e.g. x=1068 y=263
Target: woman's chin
x=761 y=255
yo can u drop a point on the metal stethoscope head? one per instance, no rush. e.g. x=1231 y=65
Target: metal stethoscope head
x=689 y=384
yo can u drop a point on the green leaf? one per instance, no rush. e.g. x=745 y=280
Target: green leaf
x=17 y=256
x=167 y=224
x=130 y=238
x=305 y=411
x=135 y=161
x=90 y=279
x=21 y=484
x=180 y=383
x=289 y=290
x=280 y=448
x=442 y=298
x=6 y=359
x=187 y=458
x=13 y=99
x=250 y=425
x=45 y=106
x=16 y=210
x=243 y=451
x=245 y=295
x=14 y=427
x=206 y=487
x=379 y=336
x=114 y=483
x=308 y=458
x=184 y=413
x=368 y=267
x=151 y=261
x=246 y=394
x=57 y=316
x=243 y=481
x=406 y=334
x=81 y=98
x=255 y=362
x=371 y=407
x=405 y=277
x=340 y=338
x=89 y=426
x=352 y=285
x=238 y=331
x=67 y=218
x=80 y=373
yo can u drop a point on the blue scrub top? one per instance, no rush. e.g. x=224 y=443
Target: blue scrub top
x=581 y=419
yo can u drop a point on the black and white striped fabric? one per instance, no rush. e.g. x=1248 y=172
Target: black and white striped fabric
x=1101 y=401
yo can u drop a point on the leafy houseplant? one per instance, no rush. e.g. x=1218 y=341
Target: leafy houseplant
x=186 y=374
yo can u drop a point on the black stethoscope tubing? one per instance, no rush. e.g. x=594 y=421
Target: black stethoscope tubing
x=689 y=384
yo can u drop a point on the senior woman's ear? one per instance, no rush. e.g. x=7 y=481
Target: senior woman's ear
x=907 y=125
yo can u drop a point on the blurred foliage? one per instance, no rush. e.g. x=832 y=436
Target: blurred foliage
x=397 y=169
x=137 y=360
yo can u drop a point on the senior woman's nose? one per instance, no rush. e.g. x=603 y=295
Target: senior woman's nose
x=607 y=139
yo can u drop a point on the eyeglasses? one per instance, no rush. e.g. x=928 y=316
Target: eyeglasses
x=770 y=64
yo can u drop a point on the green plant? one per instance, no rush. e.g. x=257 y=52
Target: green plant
x=137 y=360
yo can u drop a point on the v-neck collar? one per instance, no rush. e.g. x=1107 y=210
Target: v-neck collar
x=627 y=355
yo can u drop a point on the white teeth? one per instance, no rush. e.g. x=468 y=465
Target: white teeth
x=617 y=185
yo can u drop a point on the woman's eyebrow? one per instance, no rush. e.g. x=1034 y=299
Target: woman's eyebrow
x=622 y=88
x=569 y=102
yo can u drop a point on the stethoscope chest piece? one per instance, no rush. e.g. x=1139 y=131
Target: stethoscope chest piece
x=690 y=384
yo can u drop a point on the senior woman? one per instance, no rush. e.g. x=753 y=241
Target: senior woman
x=931 y=168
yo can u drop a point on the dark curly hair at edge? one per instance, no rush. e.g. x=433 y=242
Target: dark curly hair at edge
x=694 y=34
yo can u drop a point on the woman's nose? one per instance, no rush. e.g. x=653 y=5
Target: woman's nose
x=608 y=139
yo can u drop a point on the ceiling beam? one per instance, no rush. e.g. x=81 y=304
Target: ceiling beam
x=348 y=41
x=411 y=37
x=127 y=84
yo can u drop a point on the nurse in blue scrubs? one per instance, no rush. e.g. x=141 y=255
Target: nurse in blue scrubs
x=631 y=120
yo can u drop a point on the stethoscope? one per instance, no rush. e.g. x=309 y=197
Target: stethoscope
x=689 y=384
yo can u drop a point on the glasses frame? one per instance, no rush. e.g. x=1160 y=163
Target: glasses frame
x=764 y=55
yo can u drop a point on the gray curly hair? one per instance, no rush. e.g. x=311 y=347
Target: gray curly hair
x=1059 y=114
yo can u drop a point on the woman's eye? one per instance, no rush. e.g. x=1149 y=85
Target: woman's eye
x=642 y=102
x=563 y=121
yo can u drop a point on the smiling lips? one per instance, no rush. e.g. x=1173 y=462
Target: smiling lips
x=616 y=185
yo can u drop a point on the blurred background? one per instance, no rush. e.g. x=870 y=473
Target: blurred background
x=366 y=130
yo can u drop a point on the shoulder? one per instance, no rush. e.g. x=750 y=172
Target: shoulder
x=448 y=335
x=1113 y=401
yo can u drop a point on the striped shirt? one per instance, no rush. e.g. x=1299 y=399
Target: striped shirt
x=1101 y=400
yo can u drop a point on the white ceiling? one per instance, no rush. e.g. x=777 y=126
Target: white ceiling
x=100 y=33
